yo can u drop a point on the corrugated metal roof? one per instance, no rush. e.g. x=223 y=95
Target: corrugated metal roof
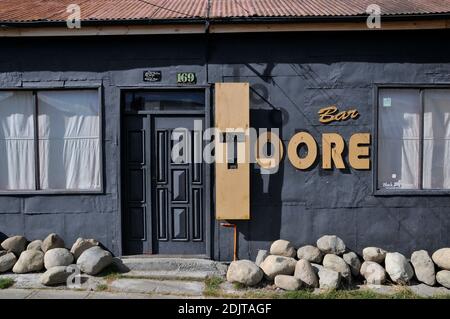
x=104 y=10
x=314 y=8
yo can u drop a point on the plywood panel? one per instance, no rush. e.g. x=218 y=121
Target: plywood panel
x=232 y=181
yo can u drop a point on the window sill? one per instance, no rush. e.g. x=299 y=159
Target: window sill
x=51 y=192
x=412 y=192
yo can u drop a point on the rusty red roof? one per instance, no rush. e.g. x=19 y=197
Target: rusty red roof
x=106 y=10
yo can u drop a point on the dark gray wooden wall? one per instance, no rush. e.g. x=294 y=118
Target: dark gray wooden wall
x=292 y=75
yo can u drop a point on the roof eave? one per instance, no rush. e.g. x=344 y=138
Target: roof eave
x=228 y=20
x=96 y=23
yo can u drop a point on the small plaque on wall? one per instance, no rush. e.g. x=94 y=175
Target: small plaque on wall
x=152 y=76
x=186 y=78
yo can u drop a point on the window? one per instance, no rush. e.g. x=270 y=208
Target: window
x=49 y=140
x=414 y=139
x=164 y=100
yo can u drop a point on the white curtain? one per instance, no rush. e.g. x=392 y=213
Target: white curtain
x=409 y=177
x=16 y=141
x=399 y=127
x=436 y=152
x=69 y=145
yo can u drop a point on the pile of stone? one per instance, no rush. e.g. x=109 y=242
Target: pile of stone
x=20 y=256
x=330 y=265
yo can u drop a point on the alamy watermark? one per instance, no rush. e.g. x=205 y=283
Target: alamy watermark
x=374 y=18
x=232 y=146
x=73 y=21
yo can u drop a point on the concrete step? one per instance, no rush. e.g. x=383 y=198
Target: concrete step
x=172 y=268
x=161 y=287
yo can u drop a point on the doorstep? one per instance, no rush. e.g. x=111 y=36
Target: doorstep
x=137 y=277
x=173 y=267
x=166 y=256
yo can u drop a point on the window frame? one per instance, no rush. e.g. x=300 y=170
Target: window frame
x=36 y=88
x=402 y=192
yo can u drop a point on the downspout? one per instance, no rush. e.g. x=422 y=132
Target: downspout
x=212 y=224
x=207 y=25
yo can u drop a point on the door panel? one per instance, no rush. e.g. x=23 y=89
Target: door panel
x=179 y=208
x=197 y=214
x=179 y=186
x=135 y=206
x=137 y=220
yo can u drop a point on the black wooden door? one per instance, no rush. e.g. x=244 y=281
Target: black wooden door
x=136 y=231
x=177 y=185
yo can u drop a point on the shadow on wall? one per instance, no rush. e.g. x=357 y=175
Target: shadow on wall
x=87 y=54
x=265 y=196
x=3 y=236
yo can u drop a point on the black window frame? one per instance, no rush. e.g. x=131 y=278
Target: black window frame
x=36 y=191
x=402 y=192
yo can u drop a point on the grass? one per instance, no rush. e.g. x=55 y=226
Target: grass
x=212 y=286
x=441 y=296
x=332 y=294
x=101 y=287
x=213 y=289
x=400 y=293
x=6 y=283
x=239 y=286
x=110 y=273
x=405 y=293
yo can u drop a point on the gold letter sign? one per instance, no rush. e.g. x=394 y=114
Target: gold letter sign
x=232 y=114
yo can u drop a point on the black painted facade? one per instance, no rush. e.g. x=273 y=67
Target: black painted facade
x=292 y=76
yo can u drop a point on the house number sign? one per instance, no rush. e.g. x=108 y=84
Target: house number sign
x=186 y=78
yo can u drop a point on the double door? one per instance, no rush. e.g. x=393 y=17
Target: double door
x=164 y=190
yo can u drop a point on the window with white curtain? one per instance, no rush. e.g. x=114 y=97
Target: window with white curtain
x=413 y=139
x=50 y=140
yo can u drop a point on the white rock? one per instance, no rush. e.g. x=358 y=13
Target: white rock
x=316 y=268
x=441 y=258
x=57 y=257
x=310 y=253
x=374 y=254
x=55 y=276
x=52 y=241
x=329 y=279
x=244 y=272
x=398 y=268
x=373 y=272
x=353 y=262
x=423 y=267
x=331 y=244
x=29 y=261
x=338 y=264
x=35 y=245
x=81 y=245
x=15 y=244
x=262 y=254
x=7 y=262
x=306 y=274
x=94 y=260
x=443 y=277
x=282 y=248
x=278 y=265
x=287 y=282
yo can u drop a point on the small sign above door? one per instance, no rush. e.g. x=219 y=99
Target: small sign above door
x=152 y=76
x=186 y=78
